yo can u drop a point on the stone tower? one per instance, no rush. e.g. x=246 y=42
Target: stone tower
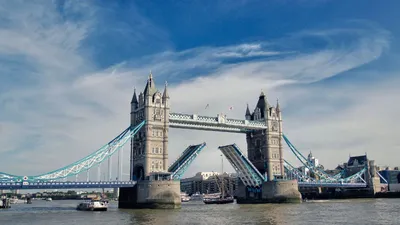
x=149 y=147
x=264 y=147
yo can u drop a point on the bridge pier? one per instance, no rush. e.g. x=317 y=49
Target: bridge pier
x=281 y=191
x=151 y=194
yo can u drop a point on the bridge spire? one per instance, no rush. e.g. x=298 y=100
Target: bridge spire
x=150 y=88
x=248 y=115
x=278 y=109
x=263 y=105
x=262 y=93
x=134 y=98
x=165 y=94
x=248 y=110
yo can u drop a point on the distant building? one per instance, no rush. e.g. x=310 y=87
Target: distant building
x=313 y=162
x=206 y=183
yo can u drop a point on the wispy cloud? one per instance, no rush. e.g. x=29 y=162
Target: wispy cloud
x=72 y=105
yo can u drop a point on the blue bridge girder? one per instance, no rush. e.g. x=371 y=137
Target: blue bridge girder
x=246 y=171
x=179 y=167
x=65 y=185
x=82 y=165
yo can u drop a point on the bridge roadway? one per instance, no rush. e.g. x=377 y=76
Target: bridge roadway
x=65 y=185
x=181 y=164
x=218 y=123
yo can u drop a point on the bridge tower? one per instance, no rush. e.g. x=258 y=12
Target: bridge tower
x=264 y=147
x=149 y=149
x=149 y=153
x=264 y=150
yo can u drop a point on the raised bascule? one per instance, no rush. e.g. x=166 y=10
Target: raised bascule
x=264 y=173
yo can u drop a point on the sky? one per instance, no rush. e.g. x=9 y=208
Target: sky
x=68 y=70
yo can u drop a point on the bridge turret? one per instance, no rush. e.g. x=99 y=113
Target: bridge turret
x=248 y=115
x=165 y=96
x=263 y=105
x=134 y=102
x=278 y=108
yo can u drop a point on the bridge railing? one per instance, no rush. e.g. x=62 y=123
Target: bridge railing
x=220 y=119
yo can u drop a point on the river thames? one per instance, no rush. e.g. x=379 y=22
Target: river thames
x=361 y=211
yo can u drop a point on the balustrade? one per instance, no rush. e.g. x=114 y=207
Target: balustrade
x=208 y=122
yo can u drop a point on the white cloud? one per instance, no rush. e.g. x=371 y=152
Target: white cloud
x=67 y=117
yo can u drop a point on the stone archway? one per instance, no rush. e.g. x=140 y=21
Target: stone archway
x=138 y=172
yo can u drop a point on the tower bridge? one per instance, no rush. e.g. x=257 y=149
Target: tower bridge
x=265 y=175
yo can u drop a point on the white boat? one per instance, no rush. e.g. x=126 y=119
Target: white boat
x=197 y=197
x=14 y=200
x=49 y=199
x=93 y=205
x=184 y=197
x=5 y=203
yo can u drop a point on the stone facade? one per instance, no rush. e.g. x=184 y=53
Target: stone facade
x=149 y=148
x=264 y=147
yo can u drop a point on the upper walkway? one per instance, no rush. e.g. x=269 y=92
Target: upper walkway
x=218 y=123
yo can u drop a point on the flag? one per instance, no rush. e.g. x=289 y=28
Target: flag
x=207 y=106
x=231 y=108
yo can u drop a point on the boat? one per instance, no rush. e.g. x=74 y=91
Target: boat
x=184 y=197
x=14 y=200
x=5 y=203
x=93 y=205
x=197 y=197
x=219 y=198
x=49 y=199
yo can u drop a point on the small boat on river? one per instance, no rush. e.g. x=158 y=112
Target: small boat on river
x=184 y=197
x=93 y=205
x=14 y=200
x=221 y=200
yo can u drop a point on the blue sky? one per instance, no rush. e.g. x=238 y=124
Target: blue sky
x=67 y=72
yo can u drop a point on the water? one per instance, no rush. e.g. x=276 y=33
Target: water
x=363 y=212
